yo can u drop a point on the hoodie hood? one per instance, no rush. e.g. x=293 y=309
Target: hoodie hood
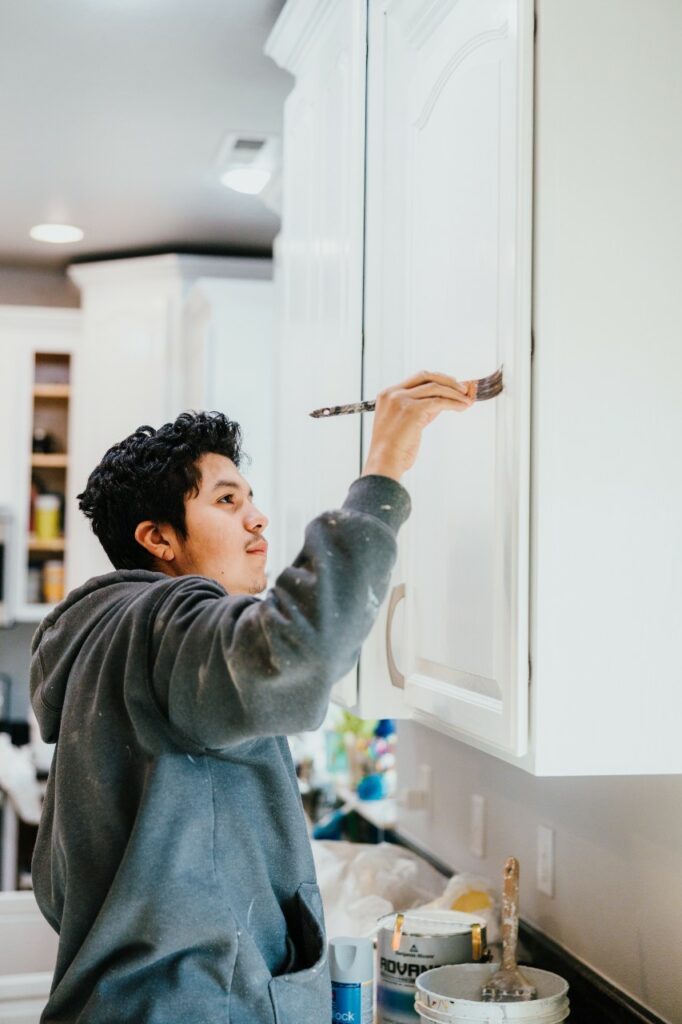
x=62 y=634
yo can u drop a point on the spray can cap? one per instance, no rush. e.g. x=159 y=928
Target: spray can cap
x=351 y=960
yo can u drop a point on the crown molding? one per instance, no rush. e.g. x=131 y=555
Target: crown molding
x=290 y=40
x=169 y=269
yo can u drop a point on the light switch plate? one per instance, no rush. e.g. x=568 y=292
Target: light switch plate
x=545 y=861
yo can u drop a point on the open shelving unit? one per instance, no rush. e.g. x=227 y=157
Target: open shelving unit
x=48 y=470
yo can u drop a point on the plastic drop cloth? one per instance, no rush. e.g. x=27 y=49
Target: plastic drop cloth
x=360 y=882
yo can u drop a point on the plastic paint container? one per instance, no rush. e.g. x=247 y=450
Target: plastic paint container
x=428 y=939
x=351 y=966
x=452 y=995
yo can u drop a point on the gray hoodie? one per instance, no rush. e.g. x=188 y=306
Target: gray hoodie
x=172 y=856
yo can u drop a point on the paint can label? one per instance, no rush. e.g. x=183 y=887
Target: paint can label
x=397 y=970
x=352 y=1002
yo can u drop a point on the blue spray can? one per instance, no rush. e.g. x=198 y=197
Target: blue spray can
x=351 y=966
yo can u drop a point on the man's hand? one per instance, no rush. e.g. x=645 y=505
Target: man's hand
x=402 y=412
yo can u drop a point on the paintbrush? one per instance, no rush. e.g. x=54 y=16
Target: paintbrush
x=485 y=388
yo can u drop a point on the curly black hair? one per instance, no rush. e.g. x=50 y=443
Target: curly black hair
x=148 y=475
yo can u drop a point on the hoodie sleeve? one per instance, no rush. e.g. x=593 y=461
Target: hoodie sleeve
x=226 y=669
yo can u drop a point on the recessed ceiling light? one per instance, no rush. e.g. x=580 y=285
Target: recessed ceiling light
x=57 y=233
x=246 y=179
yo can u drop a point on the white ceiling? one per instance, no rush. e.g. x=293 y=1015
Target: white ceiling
x=112 y=115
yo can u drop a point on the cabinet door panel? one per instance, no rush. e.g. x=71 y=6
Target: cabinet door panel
x=459 y=102
x=320 y=276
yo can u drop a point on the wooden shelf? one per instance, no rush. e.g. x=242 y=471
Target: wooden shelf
x=43 y=544
x=51 y=391
x=44 y=461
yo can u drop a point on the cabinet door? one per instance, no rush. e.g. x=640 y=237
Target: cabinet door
x=453 y=84
x=320 y=277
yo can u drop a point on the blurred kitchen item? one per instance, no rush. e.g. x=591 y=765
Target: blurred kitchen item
x=18 y=780
x=509 y=985
x=6 y=537
x=43 y=441
x=53 y=581
x=34 y=584
x=472 y=894
x=452 y=995
x=47 y=516
x=41 y=752
x=5 y=695
x=415 y=941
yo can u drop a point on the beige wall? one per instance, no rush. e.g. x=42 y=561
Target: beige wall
x=29 y=286
x=617 y=901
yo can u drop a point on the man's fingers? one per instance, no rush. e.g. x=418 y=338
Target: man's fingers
x=426 y=376
x=433 y=390
x=437 y=405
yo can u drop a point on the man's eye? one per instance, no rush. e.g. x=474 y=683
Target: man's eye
x=225 y=497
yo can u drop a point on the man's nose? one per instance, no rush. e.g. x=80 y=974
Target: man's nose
x=258 y=520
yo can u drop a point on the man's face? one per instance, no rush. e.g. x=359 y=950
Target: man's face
x=222 y=524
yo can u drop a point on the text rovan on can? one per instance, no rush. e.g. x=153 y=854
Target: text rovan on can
x=428 y=939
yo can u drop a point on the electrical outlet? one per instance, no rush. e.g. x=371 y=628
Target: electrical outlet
x=477 y=836
x=545 y=861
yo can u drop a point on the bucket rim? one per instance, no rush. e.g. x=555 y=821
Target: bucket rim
x=535 y=974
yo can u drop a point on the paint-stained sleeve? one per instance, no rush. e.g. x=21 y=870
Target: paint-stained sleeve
x=225 y=669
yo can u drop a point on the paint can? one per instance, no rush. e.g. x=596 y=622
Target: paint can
x=452 y=995
x=417 y=941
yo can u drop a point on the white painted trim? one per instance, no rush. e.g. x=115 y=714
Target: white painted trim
x=290 y=41
x=170 y=268
x=28 y=318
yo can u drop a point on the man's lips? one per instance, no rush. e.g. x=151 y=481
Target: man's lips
x=257 y=549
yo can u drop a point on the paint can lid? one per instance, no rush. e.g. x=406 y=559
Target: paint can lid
x=351 y=960
x=431 y=923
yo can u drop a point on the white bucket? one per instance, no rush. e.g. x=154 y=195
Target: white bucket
x=451 y=995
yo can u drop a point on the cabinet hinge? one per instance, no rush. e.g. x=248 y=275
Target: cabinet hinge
x=530 y=670
x=532 y=344
x=535 y=25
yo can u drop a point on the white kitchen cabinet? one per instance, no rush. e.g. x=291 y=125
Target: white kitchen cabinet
x=228 y=356
x=132 y=369
x=537 y=595
x=320 y=264
x=449 y=161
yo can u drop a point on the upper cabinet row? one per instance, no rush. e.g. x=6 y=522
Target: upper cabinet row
x=474 y=184
x=155 y=335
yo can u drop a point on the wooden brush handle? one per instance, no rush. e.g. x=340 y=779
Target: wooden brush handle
x=510 y=914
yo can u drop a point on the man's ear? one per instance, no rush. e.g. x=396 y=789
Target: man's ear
x=155 y=539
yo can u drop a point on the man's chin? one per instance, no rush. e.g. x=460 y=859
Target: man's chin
x=259 y=586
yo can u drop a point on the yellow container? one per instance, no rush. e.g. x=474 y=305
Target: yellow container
x=47 y=516
x=53 y=581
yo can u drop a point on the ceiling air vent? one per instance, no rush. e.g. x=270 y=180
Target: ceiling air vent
x=242 y=149
x=251 y=163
